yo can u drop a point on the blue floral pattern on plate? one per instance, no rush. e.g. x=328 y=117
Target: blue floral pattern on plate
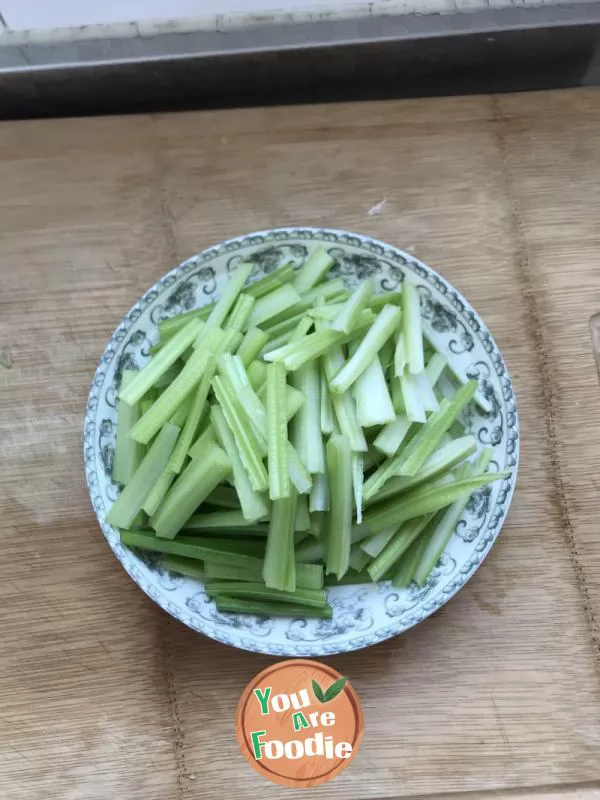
x=362 y=615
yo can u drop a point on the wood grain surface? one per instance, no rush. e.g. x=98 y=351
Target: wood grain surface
x=102 y=695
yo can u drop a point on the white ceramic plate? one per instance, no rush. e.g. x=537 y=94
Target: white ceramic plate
x=362 y=615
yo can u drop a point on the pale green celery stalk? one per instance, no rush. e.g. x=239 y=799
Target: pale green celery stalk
x=301 y=329
x=128 y=453
x=397 y=399
x=284 y=274
x=339 y=474
x=159 y=490
x=378 y=301
x=199 y=405
x=277 y=437
x=229 y=295
x=319 y=494
x=233 y=370
x=169 y=375
x=344 y=406
x=409 y=562
x=308 y=576
x=313 y=270
x=317 y=523
x=257 y=374
x=182 y=412
x=277 y=342
x=375 y=544
x=294 y=400
x=302 y=520
x=167 y=328
x=424 y=443
x=440 y=462
x=286 y=320
x=326 y=407
x=240 y=313
x=184 y=566
x=372 y=459
x=435 y=366
x=252 y=503
x=400 y=361
x=440 y=347
x=373 y=402
x=384 y=326
x=251 y=589
x=415 y=410
x=168 y=402
x=226 y=496
x=253 y=342
x=358 y=558
x=279 y=541
x=358 y=476
x=250 y=449
x=268 y=608
x=347 y=317
x=218 y=519
x=306 y=428
x=386 y=355
x=389 y=438
x=299 y=475
x=398 y=544
x=426 y=393
x=190 y=489
x=313 y=550
x=423 y=501
x=325 y=311
x=235 y=551
x=286 y=326
x=412 y=331
x=133 y=496
x=296 y=354
x=274 y=303
x=351 y=578
x=160 y=363
x=198 y=449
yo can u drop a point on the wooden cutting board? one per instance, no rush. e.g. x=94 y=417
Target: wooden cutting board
x=498 y=695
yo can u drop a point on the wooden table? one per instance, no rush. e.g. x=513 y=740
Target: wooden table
x=498 y=695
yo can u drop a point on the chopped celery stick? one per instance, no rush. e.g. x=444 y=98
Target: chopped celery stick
x=397 y=545
x=397 y=399
x=252 y=344
x=326 y=407
x=411 y=396
x=386 y=355
x=250 y=450
x=358 y=476
x=190 y=489
x=372 y=459
x=147 y=400
x=294 y=400
x=301 y=329
x=400 y=361
x=198 y=449
x=218 y=519
x=222 y=570
x=358 y=558
x=390 y=437
x=412 y=332
x=332 y=291
x=198 y=406
x=309 y=576
x=169 y=375
x=161 y=362
x=296 y=354
x=267 y=608
x=324 y=311
x=159 y=490
x=290 y=570
x=426 y=393
x=229 y=295
x=435 y=366
x=409 y=562
x=252 y=503
x=284 y=274
x=306 y=436
x=235 y=551
x=128 y=453
x=299 y=475
x=232 y=368
x=224 y=496
x=299 y=536
x=277 y=342
x=277 y=441
x=240 y=313
x=279 y=541
x=133 y=496
x=424 y=501
x=343 y=404
x=140 y=521
x=168 y=402
x=308 y=597
x=384 y=326
x=378 y=301
x=319 y=494
x=302 y=519
x=182 y=413
x=317 y=523
x=373 y=401
x=351 y=578
x=346 y=318
x=375 y=544
x=274 y=303
x=314 y=549
x=184 y=566
x=339 y=475
x=167 y=328
x=257 y=374
x=313 y=270
x=419 y=448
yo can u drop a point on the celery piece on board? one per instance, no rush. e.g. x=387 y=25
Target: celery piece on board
x=272 y=304
x=412 y=331
x=153 y=370
x=313 y=270
x=229 y=295
x=398 y=544
x=240 y=313
x=380 y=331
x=266 y=284
x=347 y=316
x=133 y=496
x=373 y=402
x=198 y=407
x=252 y=589
x=266 y=608
x=253 y=342
x=128 y=453
x=339 y=474
x=190 y=489
x=277 y=436
x=184 y=566
x=279 y=541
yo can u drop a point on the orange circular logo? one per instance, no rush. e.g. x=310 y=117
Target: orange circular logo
x=299 y=723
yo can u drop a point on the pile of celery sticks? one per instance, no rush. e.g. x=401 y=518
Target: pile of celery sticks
x=292 y=436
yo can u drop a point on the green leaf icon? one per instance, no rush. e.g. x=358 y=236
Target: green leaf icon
x=318 y=691
x=335 y=688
